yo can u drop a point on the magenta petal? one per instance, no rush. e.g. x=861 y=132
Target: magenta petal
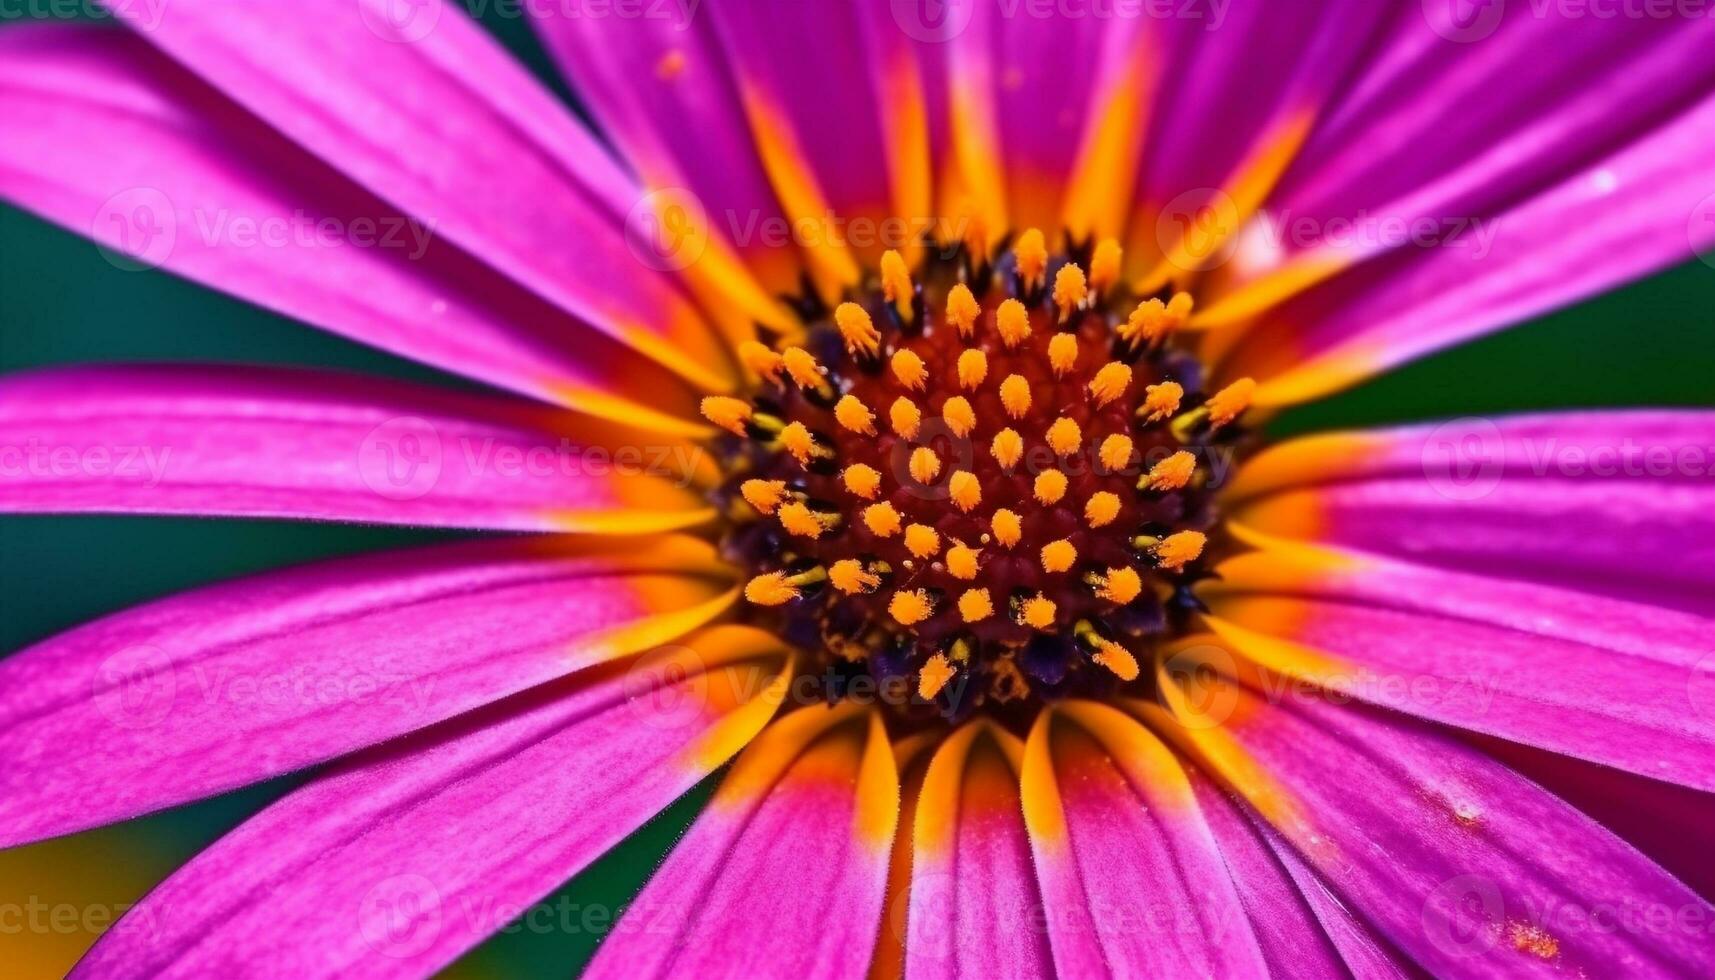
x=1302 y=929
x=419 y=105
x=1246 y=84
x=1601 y=679
x=231 y=684
x=975 y=906
x=262 y=442
x=1438 y=130
x=1618 y=503
x=206 y=191
x=1033 y=80
x=785 y=873
x=642 y=79
x=1618 y=218
x=807 y=75
x=408 y=854
x=1462 y=864
x=1131 y=875
x=1675 y=826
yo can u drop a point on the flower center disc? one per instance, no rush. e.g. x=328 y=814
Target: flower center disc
x=979 y=483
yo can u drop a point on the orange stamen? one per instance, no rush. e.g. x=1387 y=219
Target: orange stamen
x=910 y=607
x=959 y=415
x=909 y=369
x=962 y=562
x=1015 y=395
x=905 y=417
x=966 y=492
x=1057 y=556
x=962 y=309
x=1062 y=354
x=760 y=360
x=1050 y=486
x=1012 y=321
x=1031 y=253
x=937 y=671
x=849 y=576
x=1110 y=382
x=1007 y=448
x=1070 y=290
x=881 y=519
x=896 y=283
x=854 y=415
x=797 y=518
x=1161 y=401
x=976 y=606
x=863 y=481
x=923 y=541
x=973 y=368
x=730 y=414
x=924 y=465
x=1101 y=509
x=1172 y=473
x=857 y=328
x=1038 y=612
x=1115 y=452
x=1119 y=585
x=763 y=495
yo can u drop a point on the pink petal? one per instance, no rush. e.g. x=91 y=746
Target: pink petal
x=1033 y=82
x=1601 y=679
x=423 y=108
x=1131 y=875
x=812 y=80
x=1302 y=929
x=1435 y=131
x=262 y=442
x=1616 y=503
x=231 y=684
x=408 y=854
x=643 y=79
x=1619 y=218
x=1460 y=863
x=207 y=192
x=1675 y=826
x=785 y=874
x=1246 y=84
x=975 y=909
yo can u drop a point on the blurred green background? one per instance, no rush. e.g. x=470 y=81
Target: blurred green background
x=60 y=302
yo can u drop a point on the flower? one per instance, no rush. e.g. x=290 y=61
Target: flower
x=884 y=411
